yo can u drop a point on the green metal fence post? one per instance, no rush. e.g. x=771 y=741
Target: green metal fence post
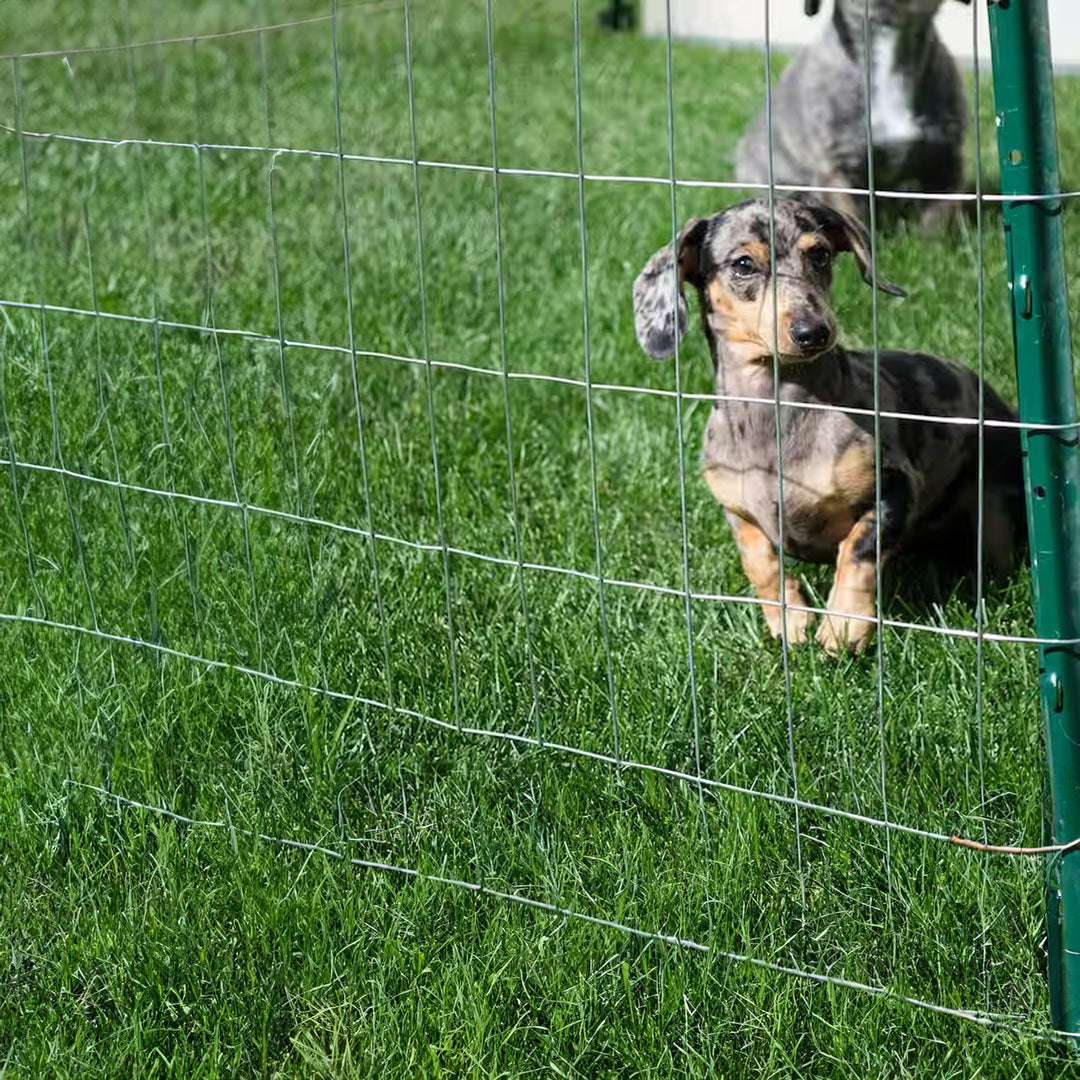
x=1027 y=147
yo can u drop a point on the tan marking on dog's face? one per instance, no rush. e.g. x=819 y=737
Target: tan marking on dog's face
x=809 y=241
x=733 y=313
x=739 y=319
x=757 y=251
x=738 y=289
x=747 y=325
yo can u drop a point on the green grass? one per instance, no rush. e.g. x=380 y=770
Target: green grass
x=138 y=946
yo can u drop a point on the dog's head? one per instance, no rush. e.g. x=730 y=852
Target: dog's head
x=726 y=258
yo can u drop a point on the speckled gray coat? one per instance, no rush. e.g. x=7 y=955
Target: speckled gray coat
x=879 y=454
x=919 y=108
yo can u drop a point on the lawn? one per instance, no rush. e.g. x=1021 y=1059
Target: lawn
x=194 y=614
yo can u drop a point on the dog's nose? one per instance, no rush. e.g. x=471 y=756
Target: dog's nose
x=810 y=333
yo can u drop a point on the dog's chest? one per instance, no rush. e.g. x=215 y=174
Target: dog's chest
x=894 y=125
x=828 y=473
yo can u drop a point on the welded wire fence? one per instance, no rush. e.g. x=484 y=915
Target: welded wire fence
x=28 y=605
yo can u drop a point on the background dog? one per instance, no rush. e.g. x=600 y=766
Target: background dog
x=918 y=109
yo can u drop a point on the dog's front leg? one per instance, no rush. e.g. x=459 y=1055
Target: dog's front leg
x=849 y=623
x=762 y=566
x=851 y=619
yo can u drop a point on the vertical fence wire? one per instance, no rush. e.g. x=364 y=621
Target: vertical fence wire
x=151 y=249
x=684 y=535
x=80 y=549
x=879 y=614
x=103 y=402
x=504 y=361
x=286 y=397
x=980 y=599
x=360 y=434
x=275 y=277
x=785 y=646
x=587 y=362
x=43 y=342
x=223 y=378
x=429 y=375
x=58 y=453
x=9 y=433
x=12 y=455
x=980 y=346
x=287 y=408
x=166 y=446
x=264 y=73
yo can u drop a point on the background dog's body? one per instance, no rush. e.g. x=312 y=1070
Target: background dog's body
x=918 y=108
x=833 y=506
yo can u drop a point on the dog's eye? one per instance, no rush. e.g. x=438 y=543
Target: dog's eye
x=743 y=266
x=819 y=257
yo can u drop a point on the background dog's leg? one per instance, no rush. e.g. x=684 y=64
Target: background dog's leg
x=849 y=623
x=762 y=566
x=938 y=216
x=1001 y=517
x=939 y=167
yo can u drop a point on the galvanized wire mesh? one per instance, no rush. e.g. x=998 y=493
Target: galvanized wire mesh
x=439 y=546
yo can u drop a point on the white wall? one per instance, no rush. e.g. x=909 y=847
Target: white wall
x=743 y=22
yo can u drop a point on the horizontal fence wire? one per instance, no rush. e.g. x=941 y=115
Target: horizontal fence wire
x=525 y=376
x=506 y=736
x=434 y=547
x=552 y=174
x=999 y=1021
x=366 y=6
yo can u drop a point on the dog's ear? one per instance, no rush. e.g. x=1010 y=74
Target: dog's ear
x=659 y=304
x=812 y=7
x=845 y=233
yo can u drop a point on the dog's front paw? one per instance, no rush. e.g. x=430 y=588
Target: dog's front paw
x=796 y=623
x=838 y=634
